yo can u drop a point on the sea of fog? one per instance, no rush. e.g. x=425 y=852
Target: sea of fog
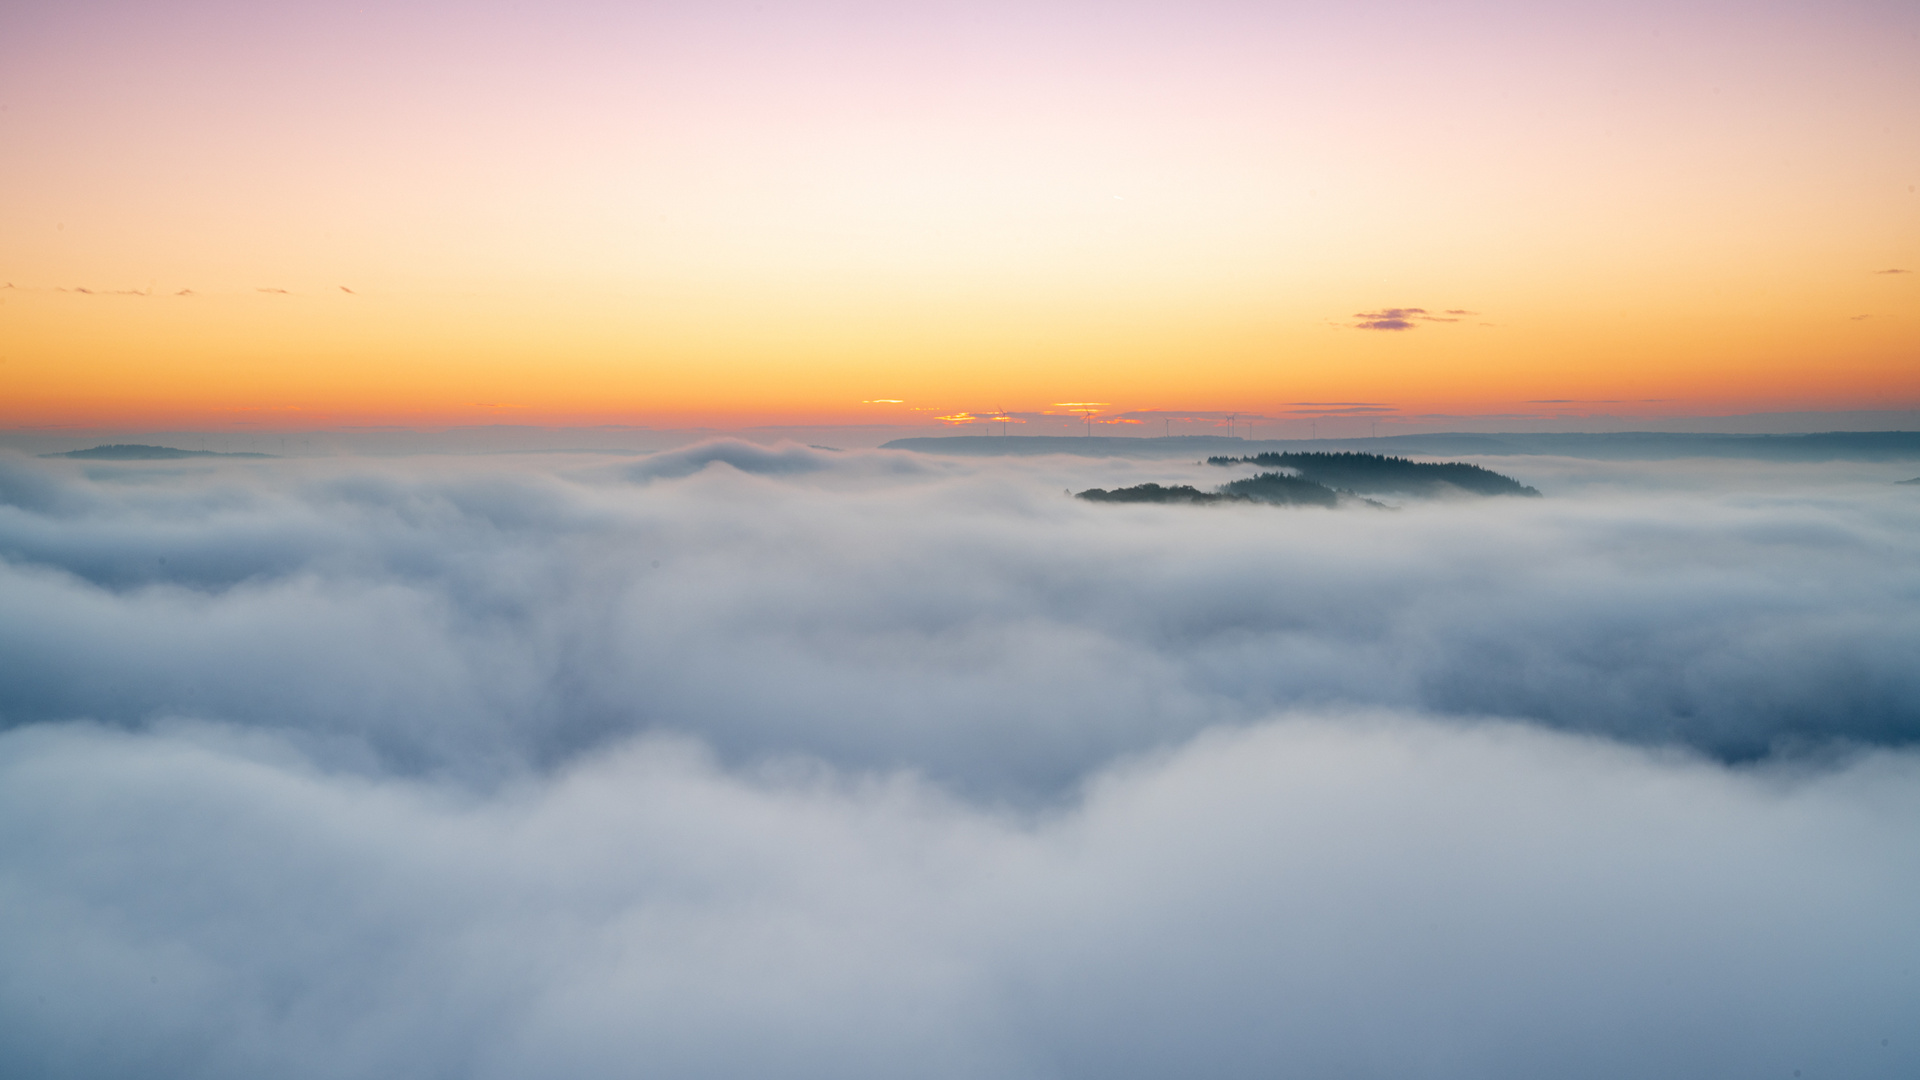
x=738 y=761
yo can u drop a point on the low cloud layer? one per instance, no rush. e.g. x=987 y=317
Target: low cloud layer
x=737 y=760
x=960 y=618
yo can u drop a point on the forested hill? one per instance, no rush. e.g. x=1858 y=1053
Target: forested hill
x=1278 y=489
x=1376 y=474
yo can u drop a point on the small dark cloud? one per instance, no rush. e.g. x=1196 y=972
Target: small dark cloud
x=184 y=292
x=1404 y=318
x=348 y=291
x=1893 y=271
x=1858 y=318
x=1388 y=318
x=282 y=292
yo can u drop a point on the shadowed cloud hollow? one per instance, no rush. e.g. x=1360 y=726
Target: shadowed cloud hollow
x=743 y=760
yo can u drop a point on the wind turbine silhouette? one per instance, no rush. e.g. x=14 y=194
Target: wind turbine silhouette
x=1085 y=409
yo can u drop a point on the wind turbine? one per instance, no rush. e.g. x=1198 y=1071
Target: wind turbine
x=1086 y=409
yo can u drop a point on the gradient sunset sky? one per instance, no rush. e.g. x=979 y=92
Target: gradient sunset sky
x=224 y=214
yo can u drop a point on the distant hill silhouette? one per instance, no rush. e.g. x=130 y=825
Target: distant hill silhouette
x=1278 y=489
x=138 y=452
x=1376 y=474
x=1915 y=480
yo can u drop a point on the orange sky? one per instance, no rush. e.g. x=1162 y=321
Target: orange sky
x=729 y=216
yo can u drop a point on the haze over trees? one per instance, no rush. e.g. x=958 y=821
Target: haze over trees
x=141 y=452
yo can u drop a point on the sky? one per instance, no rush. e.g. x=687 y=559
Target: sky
x=230 y=217
x=712 y=751
x=735 y=760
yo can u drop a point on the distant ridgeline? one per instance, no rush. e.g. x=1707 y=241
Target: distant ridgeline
x=1318 y=480
x=1374 y=474
x=137 y=452
x=1600 y=446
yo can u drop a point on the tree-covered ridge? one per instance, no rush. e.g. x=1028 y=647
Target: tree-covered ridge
x=1374 y=473
x=1149 y=493
x=1276 y=488
x=1282 y=489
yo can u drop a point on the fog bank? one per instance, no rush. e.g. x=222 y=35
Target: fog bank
x=738 y=760
x=961 y=619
